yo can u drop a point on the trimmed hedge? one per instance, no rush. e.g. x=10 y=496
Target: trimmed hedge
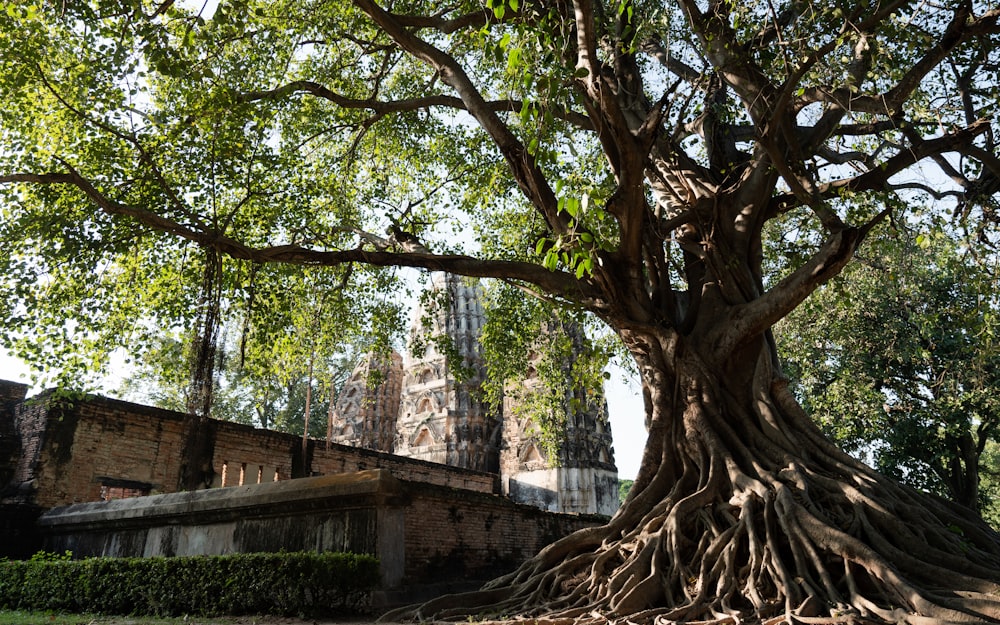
x=255 y=583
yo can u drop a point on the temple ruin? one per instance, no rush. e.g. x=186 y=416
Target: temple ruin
x=421 y=409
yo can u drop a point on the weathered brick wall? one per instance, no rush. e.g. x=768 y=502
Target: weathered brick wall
x=86 y=443
x=11 y=394
x=29 y=424
x=19 y=538
x=69 y=449
x=258 y=454
x=424 y=535
x=453 y=534
x=344 y=459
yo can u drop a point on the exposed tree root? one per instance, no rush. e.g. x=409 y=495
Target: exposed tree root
x=755 y=525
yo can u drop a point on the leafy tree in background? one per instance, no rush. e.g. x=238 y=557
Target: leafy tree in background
x=898 y=358
x=267 y=399
x=623 y=487
x=989 y=467
x=620 y=158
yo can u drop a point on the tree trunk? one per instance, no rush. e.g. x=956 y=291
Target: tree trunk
x=745 y=512
x=196 y=455
x=961 y=474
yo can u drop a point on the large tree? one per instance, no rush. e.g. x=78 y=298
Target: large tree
x=621 y=158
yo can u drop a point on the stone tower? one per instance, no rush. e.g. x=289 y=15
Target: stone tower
x=582 y=477
x=431 y=400
x=364 y=416
x=441 y=415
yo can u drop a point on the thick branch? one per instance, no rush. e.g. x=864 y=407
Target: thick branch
x=529 y=177
x=733 y=64
x=558 y=283
x=956 y=32
x=755 y=317
x=959 y=30
x=399 y=106
x=444 y=24
x=878 y=178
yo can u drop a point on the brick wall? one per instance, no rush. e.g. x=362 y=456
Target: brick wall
x=78 y=446
x=452 y=526
x=427 y=537
x=11 y=394
x=70 y=450
x=453 y=534
x=29 y=425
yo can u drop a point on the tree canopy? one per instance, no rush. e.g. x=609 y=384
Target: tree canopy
x=898 y=358
x=620 y=158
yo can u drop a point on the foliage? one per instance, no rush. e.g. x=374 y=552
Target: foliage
x=541 y=364
x=272 y=398
x=79 y=288
x=615 y=157
x=989 y=469
x=17 y=617
x=898 y=359
x=624 y=486
x=263 y=583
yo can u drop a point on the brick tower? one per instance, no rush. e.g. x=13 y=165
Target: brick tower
x=441 y=416
x=578 y=472
x=430 y=399
x=365 y=416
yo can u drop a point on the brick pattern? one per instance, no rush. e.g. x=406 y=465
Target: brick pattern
x=29 y=425
x=458 y=535
x=12 y=392
x=366 y=417
x=101 y=439
x=425 y=535
x=73 y=451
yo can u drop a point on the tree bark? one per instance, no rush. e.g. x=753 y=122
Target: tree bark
x=196 y=455
x=961 y=474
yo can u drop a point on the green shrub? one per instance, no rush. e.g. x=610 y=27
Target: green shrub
x=256 y=583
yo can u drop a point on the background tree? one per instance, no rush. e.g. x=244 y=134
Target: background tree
x=617 y=157
x=545 y=363
x=898 y=359
x=623 y=488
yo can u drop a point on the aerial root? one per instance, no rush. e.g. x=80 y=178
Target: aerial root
x=798 y=550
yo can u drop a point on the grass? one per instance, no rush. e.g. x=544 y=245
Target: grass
x=46 y=618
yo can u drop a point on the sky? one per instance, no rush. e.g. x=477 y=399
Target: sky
x=624 y=407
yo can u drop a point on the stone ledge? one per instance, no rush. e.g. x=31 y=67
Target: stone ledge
x=215 y=504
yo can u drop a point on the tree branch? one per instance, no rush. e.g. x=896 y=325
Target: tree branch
x=385 y=107
x=557 y=282
x=878 y=177
x=961 y=28
x=445 y=25
x=526 y=172
x=757 y=316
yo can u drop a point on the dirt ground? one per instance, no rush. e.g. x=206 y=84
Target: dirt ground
x=246 y=620
x=231 y=620
x=281 y=620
